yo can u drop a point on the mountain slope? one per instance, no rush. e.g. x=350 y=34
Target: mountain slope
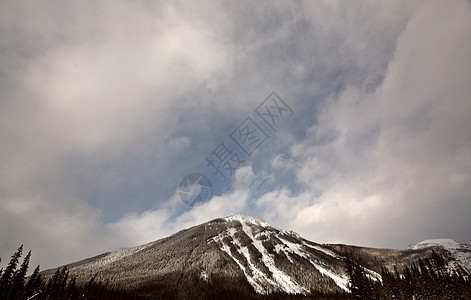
x=267 y=256
x=459 y=251
x=244 y=257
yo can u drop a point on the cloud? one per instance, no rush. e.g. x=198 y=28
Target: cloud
x=105 y=106
x=88 y=109
x=153 y=224
x=391 y=166
x=56 y=231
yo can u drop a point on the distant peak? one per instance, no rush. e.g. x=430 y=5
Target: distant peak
x=445 y=243
x=247 y=219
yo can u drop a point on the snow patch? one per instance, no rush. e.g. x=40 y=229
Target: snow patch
x=257 y=287
x=340 y=280
x=321 y=249
x=247 y=219
x=284 y=281
x=204 y=276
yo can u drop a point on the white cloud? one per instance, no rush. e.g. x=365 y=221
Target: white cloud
x=393 y=165
x=158 y=223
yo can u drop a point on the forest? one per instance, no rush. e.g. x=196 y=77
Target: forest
x=15 y=285
x=426 y=278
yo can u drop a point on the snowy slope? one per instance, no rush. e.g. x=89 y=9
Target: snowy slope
x=461 y=252
x=268 y=276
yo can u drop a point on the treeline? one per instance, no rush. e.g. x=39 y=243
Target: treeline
x=15 y=285
x=427 y=278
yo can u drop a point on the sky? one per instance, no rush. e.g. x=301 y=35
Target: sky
x=105 y=106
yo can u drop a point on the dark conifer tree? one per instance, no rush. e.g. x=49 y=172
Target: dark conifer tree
x=19 y=277
x=33 y=286
x=407 y=284
x=71 y=290
x=6 y=281
x=56 y=285
x=360 y=286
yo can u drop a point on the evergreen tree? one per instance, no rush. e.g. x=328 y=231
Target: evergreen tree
x=425 y=280
x=6 y=281
x=33 y=286
x=71 y=290
x=440 y=264
x=20 y=276
x=56 y=285
x=360 y=285
x=407 y=284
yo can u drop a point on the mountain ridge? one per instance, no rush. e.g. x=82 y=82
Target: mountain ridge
x=245 y=255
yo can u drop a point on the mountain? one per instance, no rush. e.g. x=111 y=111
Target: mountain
x=246 y=257
x=459 y=251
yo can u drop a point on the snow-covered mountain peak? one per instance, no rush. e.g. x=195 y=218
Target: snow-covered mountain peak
x=460 y=251
x=266 y=256
x=247 y=219
x=445 y=243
